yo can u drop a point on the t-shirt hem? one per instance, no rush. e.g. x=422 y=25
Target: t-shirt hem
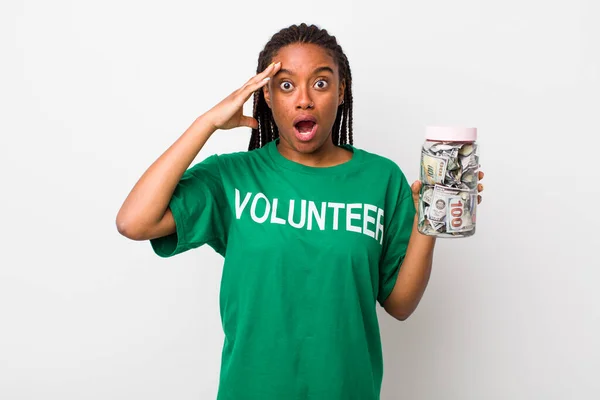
x=164 y=246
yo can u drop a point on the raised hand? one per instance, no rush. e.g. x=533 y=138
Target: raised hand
x=228 y=113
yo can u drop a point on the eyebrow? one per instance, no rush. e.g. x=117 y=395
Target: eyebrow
x=316 y=71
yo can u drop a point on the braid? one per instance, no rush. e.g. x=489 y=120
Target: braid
x=350 y=135
x=341 y=132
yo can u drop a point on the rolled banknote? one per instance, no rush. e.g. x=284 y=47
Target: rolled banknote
x=439 y=203
x=433 y=168
x=428 y=194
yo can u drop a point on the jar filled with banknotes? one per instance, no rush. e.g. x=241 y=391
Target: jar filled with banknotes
x=449 y=173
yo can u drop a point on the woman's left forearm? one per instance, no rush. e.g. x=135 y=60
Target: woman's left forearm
x=413 y=275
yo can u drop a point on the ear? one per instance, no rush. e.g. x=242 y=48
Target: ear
x=341 y=92
x=267 y=94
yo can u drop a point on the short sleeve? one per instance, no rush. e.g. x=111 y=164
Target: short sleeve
x=395 y=243
x=199 y=208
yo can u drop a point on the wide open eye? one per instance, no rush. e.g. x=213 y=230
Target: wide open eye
x=321 y=84
x=286 y=86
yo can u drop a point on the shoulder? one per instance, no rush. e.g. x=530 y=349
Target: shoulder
x=233 y=159
x=387 y=172
x=381 y=163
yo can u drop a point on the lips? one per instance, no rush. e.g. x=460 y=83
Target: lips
x=304 y=117
x=305 y=127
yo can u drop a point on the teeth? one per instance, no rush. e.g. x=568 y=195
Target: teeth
x=305 y=127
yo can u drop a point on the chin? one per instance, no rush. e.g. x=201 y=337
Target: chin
x=308 y=147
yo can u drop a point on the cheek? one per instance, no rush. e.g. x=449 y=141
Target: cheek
x=281 y=102
x=281 y=114
x=281 y=106
x=332 y=107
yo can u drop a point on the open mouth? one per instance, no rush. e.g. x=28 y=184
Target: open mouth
x=305 y=130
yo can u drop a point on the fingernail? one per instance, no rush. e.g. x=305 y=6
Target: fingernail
x=267 y=79
x=270 y=65
x=277 y=64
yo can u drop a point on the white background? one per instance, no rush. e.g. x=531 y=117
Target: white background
x=91 y=93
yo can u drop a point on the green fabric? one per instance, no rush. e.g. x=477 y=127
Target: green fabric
x=307 y=254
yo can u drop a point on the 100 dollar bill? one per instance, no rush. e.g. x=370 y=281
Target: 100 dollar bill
x=439 y=203
x=458 y=217
x=433 y=168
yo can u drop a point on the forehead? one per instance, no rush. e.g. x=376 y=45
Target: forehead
x=304 y=58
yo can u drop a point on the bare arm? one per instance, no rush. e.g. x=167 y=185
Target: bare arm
x=415 y=271
x=145 y=213
x=412 y=277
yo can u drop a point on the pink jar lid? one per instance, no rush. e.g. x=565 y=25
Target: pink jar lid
x=450 y=134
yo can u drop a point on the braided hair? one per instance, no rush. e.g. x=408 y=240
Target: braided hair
x=267 y=130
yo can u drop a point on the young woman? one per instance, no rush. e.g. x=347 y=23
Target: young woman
x=313 y=230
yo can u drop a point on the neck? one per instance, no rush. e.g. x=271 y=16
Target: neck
x=327 y=155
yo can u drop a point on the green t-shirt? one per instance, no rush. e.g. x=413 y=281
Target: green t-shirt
x=307 y=253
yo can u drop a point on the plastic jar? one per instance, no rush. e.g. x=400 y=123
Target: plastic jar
x=450 y=175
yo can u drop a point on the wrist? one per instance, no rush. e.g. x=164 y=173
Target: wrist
x=205 y=125
x=419 y=234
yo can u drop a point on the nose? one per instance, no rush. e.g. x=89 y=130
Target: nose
x=304 y=100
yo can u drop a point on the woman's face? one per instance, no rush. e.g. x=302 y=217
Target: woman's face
x=304 y=96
